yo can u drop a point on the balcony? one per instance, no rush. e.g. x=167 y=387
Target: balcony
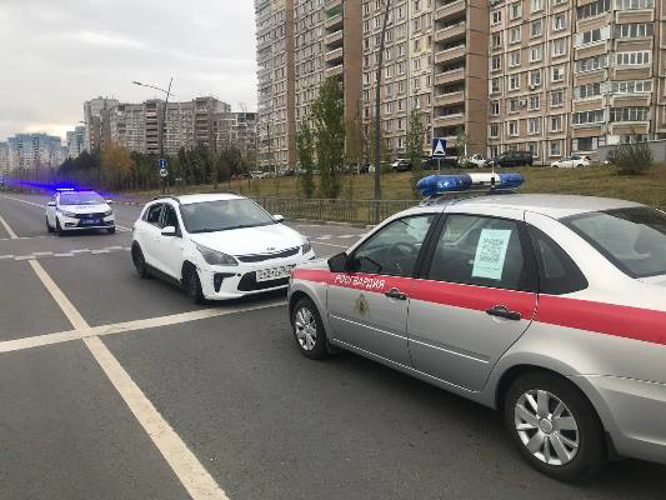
x=451 y=120
x=450 y=76
x=443 y=12
x=335 y=71
x=334 y=39
x=448 y=55
x=447 y=32
x=335 y=56
x=450 y=98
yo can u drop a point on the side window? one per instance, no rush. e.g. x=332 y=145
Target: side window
x=480 y=251
x=152 y=214
x=393 y=251
x=558 y=274
x=169 y=217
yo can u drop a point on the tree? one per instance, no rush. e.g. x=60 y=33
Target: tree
x=372 y=149
x=305 y=149
x=116 y=165
x=632 y=158
x=462 y=142
x=415 y=136
x=328 y=114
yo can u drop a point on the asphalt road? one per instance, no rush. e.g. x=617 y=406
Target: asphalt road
x=115 y=388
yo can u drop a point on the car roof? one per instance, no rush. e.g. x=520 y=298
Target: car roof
x=557 y=206
x=203 y=198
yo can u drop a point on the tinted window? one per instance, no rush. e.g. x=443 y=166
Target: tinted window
x=223 y=215
x=558 y=274
x=170 y=217
x=394 y=250
x=480 y=251
x=153 y=213
x=634 y=239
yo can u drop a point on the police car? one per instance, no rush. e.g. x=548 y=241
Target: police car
x=73 y=210
x=551 y=309
x=217 y=246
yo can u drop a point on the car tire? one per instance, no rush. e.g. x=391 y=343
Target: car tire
x=192 y=285
x=111 y=230
x=59 y=229
x=139 y=262
x=48 y=226
x=308 y=329
x=569 y=448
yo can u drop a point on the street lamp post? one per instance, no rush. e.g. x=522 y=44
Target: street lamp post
x=162 y=136
x=378 y=93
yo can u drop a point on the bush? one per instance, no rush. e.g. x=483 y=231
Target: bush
x=631 y=159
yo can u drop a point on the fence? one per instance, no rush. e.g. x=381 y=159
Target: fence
x=352 y=211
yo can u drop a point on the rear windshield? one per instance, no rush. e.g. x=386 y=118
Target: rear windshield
x=634 y=239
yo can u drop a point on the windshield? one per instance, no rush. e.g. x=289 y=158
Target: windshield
x=634 y=239
x=223 y=215
x=81 y=199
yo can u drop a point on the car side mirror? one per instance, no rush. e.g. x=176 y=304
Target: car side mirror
x=52 y=204
x=109 y=202
x=338 y=263
x=169 y=231
x=278 y=218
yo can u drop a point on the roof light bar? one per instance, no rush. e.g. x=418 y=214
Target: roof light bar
x=435 y=185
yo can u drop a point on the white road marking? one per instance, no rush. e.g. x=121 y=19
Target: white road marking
x=97 y=252
x=3 y=257
x=12 y=234
x=195 y=478
x=324 y=237
x=83 y=250
x=63 y=254
x=25 y=257
x=128 y=326
x=67 y=307
x=315 y=242
x=42 y=254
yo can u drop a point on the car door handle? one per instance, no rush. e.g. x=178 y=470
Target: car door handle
x=504 y=312
x=394 y=293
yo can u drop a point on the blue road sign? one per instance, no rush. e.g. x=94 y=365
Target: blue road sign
x=163 y=163
x=438 y=148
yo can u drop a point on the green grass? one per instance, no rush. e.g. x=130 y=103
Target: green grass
x=649 y=188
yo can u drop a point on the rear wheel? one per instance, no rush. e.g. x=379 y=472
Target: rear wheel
x=139 y=262
x=309 y=329
x=555 y=427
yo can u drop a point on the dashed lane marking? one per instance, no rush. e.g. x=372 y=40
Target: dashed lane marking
x=12 y=234
x=315 y=242
x=70 y=253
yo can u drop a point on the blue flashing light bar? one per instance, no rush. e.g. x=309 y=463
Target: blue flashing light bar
x=435 y=185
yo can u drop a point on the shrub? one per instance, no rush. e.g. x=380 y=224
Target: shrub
x=631 y=159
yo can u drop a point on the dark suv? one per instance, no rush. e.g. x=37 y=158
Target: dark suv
x=513 y=159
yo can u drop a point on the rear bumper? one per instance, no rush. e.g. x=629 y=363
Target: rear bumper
x=633 y=415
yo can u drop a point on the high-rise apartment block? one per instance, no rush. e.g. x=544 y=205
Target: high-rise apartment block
x=34 y=152
x=96 y=119
x=554 y=77
x=4 y=158
x=76 y=140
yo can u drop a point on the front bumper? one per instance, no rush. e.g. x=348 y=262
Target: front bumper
x=74 y=224
x=633 y=416
x=225 y=283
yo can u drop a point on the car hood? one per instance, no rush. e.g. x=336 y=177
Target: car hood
x=655 y=280
x=251 y=240
x=86 y=209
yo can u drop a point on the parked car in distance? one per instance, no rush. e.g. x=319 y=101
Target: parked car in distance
x=437 y=163
x=474 y=161
x=513 y=159
x=573 y=161
x=401 y=165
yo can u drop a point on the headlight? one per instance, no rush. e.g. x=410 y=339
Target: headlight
x=216 y=258
x=65 y=213
x=307 y=247
x=108 y=213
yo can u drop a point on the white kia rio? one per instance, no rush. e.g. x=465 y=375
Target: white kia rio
x=216 y=246
x=72 y=210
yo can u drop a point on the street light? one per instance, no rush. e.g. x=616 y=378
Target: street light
x=163 y=126
x=378 y=135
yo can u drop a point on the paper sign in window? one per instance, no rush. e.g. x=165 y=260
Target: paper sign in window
x=491 y=253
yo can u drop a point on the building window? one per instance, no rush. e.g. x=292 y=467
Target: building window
x=558 y=74
x=515 y=10
x=495 y=86
x=634 y=4
x=533 y=148
x=512 y=128
x=497 y=40
x=630 y=114
x=634 y=30
x=514 y=35
x=496 y=17
x=536 y=53
x=594 y=9
x=537 y=5
x=494 y=130
x=514 y=82
x=588 y=117
x=514 y=58
x=632 y=58
x=555 y=148
x=559 y=22
x=535 y=102
x=495 y=108
x=632 y=87
x=535 y=78
x=514 y=105
x=534 y=126
x=592 y=64
x=536 y=28
x=496 y=63
x=556 y=124
x=591 y=36
x=559 y=47
x=587 y=91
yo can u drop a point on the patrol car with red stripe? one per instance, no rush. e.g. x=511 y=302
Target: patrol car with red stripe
x=549 y=308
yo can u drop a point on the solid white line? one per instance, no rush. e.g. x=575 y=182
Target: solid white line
x=128 y=326
x=12 y=234
x=315 y=242
x=67 y=307
x=196 y=479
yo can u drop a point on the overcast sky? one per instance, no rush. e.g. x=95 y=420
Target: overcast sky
x=56 y=54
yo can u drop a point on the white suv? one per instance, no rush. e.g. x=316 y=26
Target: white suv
x=217 y=246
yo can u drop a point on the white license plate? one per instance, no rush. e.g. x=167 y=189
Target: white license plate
x=275 y=273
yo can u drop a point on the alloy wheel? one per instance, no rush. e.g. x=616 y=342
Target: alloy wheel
x=305 y=327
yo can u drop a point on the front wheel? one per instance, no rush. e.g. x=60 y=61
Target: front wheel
x=309 y=331
x=193 y=286
x=48 y=226
x=59 y=229
x=555 y=427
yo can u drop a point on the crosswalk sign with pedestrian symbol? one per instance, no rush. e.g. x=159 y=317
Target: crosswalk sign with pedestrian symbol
x=438 y=148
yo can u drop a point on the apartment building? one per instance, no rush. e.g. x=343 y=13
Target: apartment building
x=96 y=120
x=238 y=130
x=75 y=140
x=568 y=76
x=34 y=152
x=4 y=158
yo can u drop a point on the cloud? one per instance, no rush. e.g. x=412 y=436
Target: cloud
x=62 y=53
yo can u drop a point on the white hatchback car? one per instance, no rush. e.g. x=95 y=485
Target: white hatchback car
x=71 y=210
x=216 y=246
x=574 y=161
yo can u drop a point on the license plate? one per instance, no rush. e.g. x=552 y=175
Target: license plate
x=91 y=222
x=275 y=273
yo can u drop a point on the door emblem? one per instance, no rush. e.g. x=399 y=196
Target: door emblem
x=361 y=306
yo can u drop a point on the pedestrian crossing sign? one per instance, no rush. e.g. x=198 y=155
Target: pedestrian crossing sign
x=438 y=148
